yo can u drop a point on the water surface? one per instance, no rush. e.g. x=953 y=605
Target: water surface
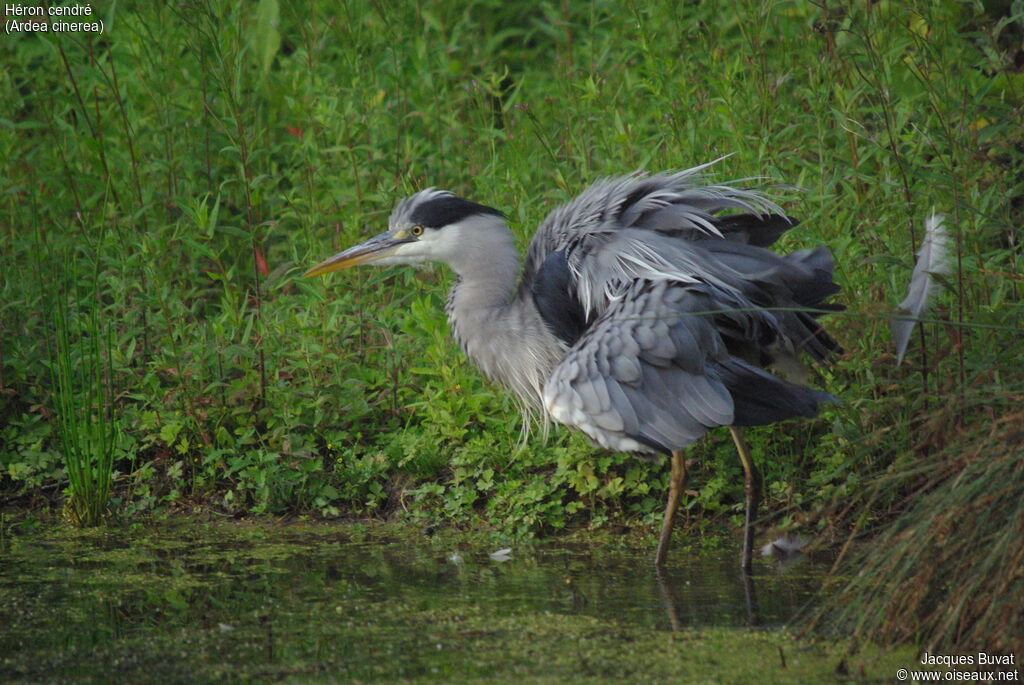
x=229 y=602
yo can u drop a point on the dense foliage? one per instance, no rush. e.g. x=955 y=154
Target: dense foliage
x=166 y=182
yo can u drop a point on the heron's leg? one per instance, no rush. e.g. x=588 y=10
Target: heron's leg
x=752 y=490
x=675 y=491
x=669 y=598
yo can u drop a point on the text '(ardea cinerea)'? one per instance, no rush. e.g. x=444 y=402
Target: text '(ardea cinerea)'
x=648 y=311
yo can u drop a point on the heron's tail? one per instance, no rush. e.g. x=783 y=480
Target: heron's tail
x=811 y=284
x=793 y=288
x=759 y=398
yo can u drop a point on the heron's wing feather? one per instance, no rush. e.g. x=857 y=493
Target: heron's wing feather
x=653 y=373
x=555 y=295
x=754 y=229
x=792 y=287
x=767 y=304
x=680 y=204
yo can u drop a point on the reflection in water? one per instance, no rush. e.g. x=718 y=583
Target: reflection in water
x=235 y=594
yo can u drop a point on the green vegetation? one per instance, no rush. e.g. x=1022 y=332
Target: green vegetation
x=86 y=429
x=965 y=525
x=182 y=169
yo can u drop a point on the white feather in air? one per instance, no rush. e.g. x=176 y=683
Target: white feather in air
x=932 y=258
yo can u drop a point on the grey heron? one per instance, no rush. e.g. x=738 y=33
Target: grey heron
x=648 y=311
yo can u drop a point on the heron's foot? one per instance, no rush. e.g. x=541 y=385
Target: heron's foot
x=675 y=490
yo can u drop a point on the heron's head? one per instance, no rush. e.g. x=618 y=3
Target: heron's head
x=432 y=225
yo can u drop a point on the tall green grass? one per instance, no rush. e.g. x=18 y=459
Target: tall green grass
x=87 y=428
x=225 y=147
x=946 y=572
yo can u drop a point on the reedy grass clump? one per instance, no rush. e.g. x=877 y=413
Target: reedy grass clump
x=87 y=430
x=946 y=572
x=225 y=147
x=86 y=426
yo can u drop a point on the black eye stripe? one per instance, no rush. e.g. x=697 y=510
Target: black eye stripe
x=448 y=209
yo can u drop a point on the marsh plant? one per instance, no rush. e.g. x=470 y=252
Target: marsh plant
x=86 y=426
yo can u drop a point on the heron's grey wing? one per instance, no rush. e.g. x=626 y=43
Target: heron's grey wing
x=767 y=303
x=652 y=374
x=678 y=204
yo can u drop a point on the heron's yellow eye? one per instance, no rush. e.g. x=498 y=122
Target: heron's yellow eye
x=416 y=230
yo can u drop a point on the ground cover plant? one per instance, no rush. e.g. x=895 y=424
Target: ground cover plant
x=178 y=172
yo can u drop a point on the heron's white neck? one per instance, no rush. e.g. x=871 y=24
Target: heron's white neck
x=487 y=264
x=501 y=334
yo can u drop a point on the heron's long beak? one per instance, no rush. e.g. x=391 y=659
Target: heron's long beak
x=376 y=248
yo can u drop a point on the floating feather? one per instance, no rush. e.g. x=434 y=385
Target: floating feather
x=502 y=555
x=932 y=258
x=784 y=547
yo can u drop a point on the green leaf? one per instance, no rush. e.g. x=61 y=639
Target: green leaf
x=170 y=431
x=266 y=36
